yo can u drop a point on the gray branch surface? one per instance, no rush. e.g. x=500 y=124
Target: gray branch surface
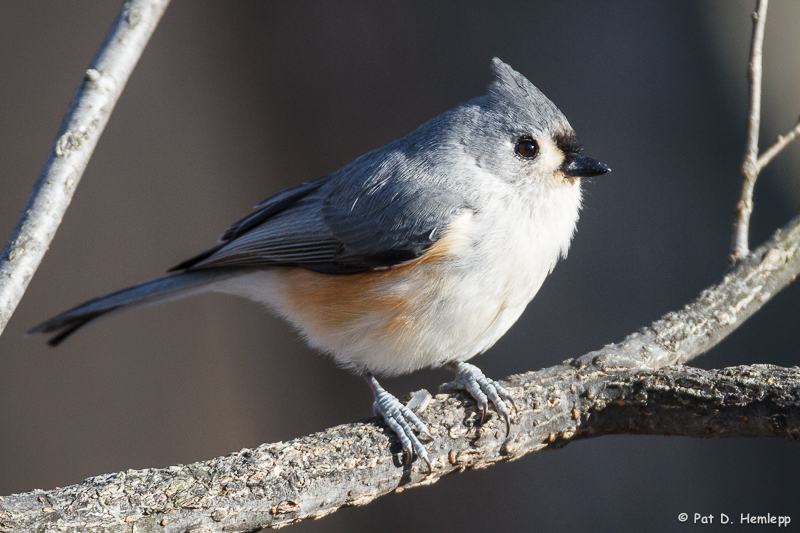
x=277 y=484
x=624 y=388
x=87 y=117
x=679 y=337
x=632 y=387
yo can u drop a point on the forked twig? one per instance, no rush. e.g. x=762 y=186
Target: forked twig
x=624 y=388
x=744 y=208
x=754 y=163
x=781 y=143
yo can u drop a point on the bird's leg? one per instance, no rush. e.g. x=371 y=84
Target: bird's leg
x=470 y=378
x=397 y=416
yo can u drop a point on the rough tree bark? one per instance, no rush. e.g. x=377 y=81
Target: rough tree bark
x=614 y=390
x=277 y=484
x=632 y=387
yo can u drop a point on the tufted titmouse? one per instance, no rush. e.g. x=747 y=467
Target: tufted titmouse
x=421 y=253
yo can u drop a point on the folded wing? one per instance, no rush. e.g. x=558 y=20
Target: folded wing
x=375 y=213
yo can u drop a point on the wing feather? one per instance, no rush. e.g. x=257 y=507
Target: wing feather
x=375 y=213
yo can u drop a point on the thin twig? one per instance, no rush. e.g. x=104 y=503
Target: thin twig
x=782 y=142
x=740 y=245
x=679 y=337
x=615 y=390
x=84 y=123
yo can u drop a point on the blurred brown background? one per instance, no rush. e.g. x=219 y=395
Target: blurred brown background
x=233 y=101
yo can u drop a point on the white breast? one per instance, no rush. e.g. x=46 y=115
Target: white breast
x=514 y=255
x=454 y=302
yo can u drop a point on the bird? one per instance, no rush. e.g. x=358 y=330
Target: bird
x=419 y=254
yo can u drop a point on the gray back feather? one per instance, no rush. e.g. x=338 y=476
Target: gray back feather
x=390 y=205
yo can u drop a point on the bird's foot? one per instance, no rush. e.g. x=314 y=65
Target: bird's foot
x=470 y=378
x=400 y=418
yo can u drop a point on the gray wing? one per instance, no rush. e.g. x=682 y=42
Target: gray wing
x=379 y=211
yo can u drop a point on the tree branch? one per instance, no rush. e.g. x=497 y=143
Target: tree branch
x=750 y=169
x=781 y=143
x=679 y=337
x=277 y=484
x=611 y=391
x=84 y=123
x=624 y=388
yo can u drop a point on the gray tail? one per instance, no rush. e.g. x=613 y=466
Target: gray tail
x=151 y=292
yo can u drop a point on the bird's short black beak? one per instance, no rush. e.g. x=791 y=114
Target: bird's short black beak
x=580 y=166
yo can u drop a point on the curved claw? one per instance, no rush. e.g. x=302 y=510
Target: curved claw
x=483 y=390
x=400 y=418
x=513 y=404
x=428 y=463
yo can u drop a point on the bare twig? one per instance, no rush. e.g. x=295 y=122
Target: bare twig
x=277 y=484
x=615 y=390
x=744 y=209
x=80 y=131
x=781 y=143
x=624 y=388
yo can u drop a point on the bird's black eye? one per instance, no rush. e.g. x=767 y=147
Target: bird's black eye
x=527 y=148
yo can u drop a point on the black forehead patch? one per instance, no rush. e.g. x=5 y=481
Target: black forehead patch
x=567 y=142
